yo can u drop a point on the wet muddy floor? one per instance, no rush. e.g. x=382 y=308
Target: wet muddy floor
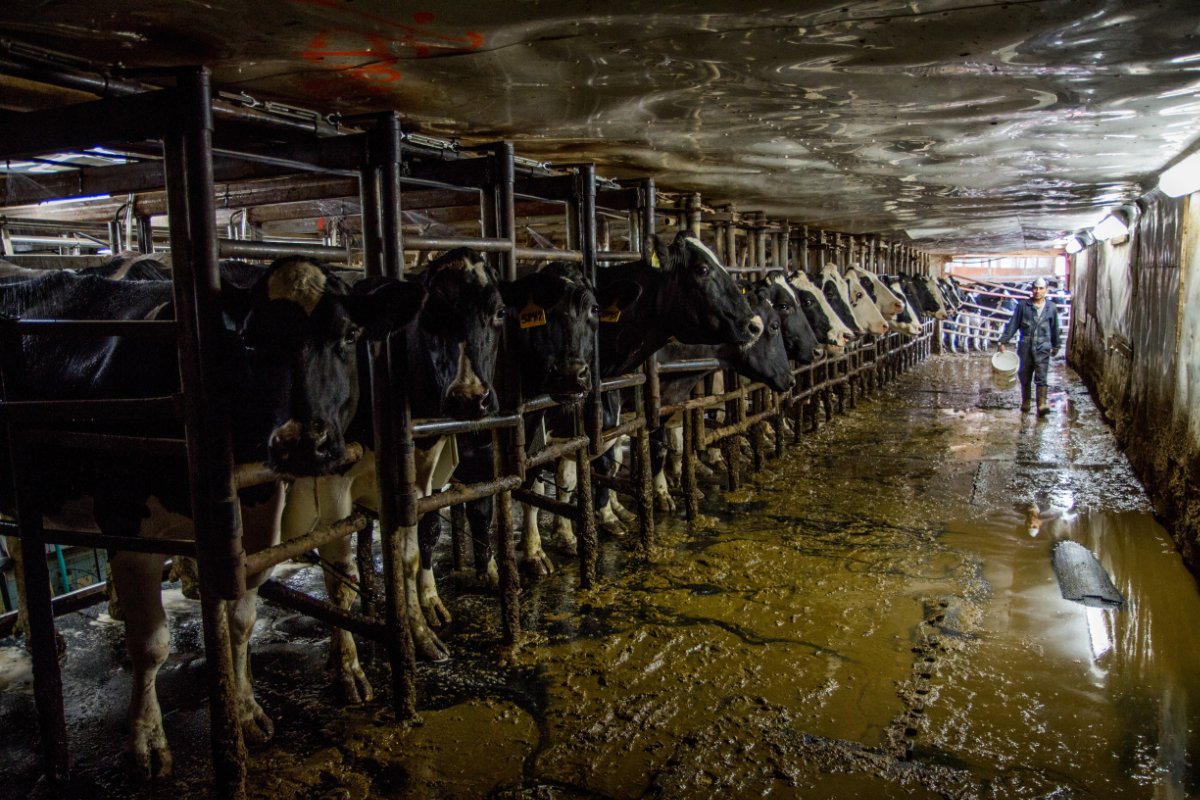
x=875 y=615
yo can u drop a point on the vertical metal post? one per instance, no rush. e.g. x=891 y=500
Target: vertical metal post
x=687 y=480
x=584 y=502
x=394 y=455
x=215 y=509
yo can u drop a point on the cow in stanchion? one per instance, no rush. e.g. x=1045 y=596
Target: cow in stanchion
x=289 y=379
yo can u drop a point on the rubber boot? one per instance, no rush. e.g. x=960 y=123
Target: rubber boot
x=1043 y=409
x=1024 y=398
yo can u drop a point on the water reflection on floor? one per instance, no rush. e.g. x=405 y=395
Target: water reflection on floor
x=875 y=615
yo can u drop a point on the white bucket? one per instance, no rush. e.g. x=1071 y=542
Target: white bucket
x=1005 y=363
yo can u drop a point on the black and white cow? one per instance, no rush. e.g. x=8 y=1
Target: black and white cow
x=799 y=338
x=765 y=361
x=885 y=299
x=831 y=332
x=866 y=315
x=449 y=359
x=290 y=371
x=686 y=295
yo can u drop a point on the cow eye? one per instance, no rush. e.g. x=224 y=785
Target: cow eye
x=774 y=327
x=595 y=311
x=352 y=336
x=501 y=313
x=702 y=269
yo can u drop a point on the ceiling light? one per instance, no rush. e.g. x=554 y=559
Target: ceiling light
x=1183 y=178
x=1074 y=245
x=1115 y=224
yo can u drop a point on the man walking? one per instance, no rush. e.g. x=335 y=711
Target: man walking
x=1037 y=320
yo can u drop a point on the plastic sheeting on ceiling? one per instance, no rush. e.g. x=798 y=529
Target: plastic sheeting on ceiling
x=972 y=126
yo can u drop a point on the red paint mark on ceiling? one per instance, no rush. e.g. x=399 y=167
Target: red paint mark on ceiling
x=369 y=46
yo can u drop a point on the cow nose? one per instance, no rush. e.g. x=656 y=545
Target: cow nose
x=318 y=435
x=754 y=326
x=485 y=399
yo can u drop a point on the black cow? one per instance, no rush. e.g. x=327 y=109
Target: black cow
x=449 y=357
x=686 y=294
x=555 y=314
x=289 y=369
x=799 y=338
x=764 y=361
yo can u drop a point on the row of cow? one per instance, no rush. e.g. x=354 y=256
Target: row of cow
x=297 y=333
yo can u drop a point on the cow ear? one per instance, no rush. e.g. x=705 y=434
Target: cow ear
x=236 y=302
x=660 y=253
x=383 y=305
x=621 y=294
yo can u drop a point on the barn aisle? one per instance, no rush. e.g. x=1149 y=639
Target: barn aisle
x=875 y=615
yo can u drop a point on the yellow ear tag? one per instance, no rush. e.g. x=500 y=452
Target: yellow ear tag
x=743 y=290
x=611 y=314
x=654 y=262
x=532 y=315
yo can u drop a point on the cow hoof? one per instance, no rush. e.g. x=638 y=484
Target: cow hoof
x=354 y=687
x=489 y=578
x=664 y=502
x=429 y=646
x=149 y=756
x=569 y=545
x=257 y=728
x=614 y=528
x=539 y=563
x=624 y=514
x=436 y=613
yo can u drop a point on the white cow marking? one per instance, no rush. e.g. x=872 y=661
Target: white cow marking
x=301 y=282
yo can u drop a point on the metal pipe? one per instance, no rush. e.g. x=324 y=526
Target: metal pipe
x=263 y=559
x=358 y=624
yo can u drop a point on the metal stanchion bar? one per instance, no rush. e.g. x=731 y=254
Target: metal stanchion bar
x=155 y=408
x=96 y=327
x=277 y=554
x=70 y=538
x=624 y=428
x=215 y=510
x=465 y=494
x=256 y=474
x=105 y=442
x=556 y=451
x=288 y=597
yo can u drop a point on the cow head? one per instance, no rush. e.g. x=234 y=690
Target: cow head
x=862 y=306
x=766 y=359
x=834 y=289
x=704 y=303
x=885 y=299
x=829 y=328
x=460 y=326
x=557 y=313
x=294 y=378
x=799 y=339
x=908 y=321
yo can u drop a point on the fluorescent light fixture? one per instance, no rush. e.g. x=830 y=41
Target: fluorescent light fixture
x=1074 y=245
x=1183 y=178
x=1113 y=225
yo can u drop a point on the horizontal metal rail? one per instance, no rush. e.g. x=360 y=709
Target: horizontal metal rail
x=284 y=551
x=467 y=494
x=101 y=541
x=97 y=327
x=25 y=411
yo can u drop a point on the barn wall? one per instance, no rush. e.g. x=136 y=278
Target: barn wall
x=1135 y=339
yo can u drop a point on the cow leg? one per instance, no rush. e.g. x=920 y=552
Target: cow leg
x=479 y=519
x=257 y=727
x=322 y=501
x=428 y=645
x=564 y=477
x=531 y=537
x=429 y=530
x=624 y=514
x=608 y=520
x=662 y=493
x=340 y=570
x=22 y=624
x=138 y=577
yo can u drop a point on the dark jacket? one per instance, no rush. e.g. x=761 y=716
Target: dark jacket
x=1038 y=337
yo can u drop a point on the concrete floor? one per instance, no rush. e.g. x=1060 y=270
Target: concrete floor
x=871 y=616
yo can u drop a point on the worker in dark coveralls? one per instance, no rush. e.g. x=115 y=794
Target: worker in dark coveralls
x=1037 y=320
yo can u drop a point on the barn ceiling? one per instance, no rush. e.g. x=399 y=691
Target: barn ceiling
x=968 y=125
